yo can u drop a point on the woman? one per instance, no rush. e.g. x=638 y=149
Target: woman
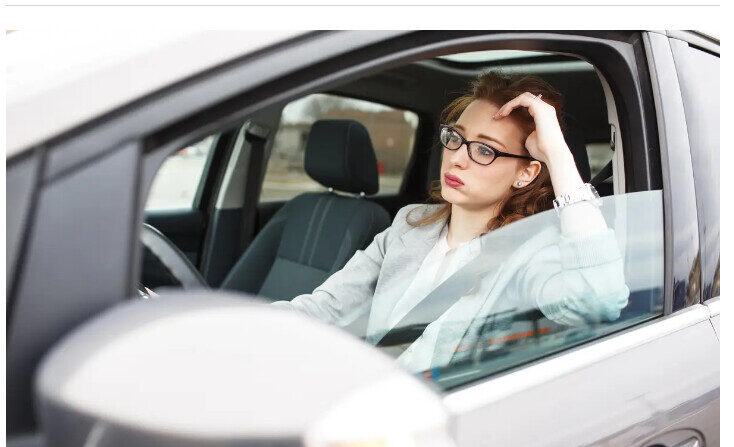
x=504 y=158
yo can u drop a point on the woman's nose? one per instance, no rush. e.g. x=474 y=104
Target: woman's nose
x=460 y=157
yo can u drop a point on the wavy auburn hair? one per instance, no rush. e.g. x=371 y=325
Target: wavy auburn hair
x=499 y=88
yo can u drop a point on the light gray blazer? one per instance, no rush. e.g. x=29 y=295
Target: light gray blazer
x=572 y=281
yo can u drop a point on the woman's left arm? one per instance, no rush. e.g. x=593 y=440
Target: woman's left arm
x=580 y=279
x=546 y=144
x=575 y=280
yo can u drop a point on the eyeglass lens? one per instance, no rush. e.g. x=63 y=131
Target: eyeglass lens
x=480 y=153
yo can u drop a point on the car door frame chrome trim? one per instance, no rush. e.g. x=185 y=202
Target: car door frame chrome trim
x=499 y=387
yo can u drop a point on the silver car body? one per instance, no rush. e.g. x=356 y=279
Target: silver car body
x=657 y=382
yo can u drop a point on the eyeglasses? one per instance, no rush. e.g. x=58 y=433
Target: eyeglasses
x=479 y=152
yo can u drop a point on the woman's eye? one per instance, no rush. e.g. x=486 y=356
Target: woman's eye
x=484 y=150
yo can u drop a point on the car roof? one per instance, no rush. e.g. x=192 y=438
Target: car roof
x=58 y=80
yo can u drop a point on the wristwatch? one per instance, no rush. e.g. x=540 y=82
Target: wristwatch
x=584 y=193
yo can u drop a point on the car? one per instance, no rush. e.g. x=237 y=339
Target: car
x=181 y=169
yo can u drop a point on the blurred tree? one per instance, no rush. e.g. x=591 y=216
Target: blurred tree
x=319 y=105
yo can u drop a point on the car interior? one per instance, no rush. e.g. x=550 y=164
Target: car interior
x=244 y=233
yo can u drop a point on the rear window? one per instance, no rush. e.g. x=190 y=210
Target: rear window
x=391 y=130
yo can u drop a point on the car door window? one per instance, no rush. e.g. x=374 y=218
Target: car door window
x=391 y=130
x=536 y=289
x=180 y=176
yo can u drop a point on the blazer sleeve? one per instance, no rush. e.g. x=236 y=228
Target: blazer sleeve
x=350 y=288
x=576 y=281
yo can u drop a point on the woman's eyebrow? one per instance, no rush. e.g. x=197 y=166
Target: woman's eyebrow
x=485 y=137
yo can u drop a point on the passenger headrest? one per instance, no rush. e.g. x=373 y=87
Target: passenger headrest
x=339 y=155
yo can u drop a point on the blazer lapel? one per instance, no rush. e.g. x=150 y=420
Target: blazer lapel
x=400 y=266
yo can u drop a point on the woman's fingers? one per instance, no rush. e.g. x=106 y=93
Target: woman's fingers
x=523 y=100
x=518 y=101
x=526 y=99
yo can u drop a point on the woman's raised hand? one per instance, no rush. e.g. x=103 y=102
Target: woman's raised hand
x=546 y=142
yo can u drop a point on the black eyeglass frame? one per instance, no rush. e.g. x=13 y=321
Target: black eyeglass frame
x=497 y=153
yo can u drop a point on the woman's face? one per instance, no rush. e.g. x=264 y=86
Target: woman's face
x=482 y=186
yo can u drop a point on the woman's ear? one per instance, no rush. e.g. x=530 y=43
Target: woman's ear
x=527 y=174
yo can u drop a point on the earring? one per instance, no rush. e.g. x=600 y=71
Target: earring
x=519 y=183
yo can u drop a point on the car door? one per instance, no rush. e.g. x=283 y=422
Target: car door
x=88 y=202
x=654 y=384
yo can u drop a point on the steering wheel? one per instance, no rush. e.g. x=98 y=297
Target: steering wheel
x=172 y=258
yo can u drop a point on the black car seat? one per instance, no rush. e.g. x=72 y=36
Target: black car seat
x=314 y=234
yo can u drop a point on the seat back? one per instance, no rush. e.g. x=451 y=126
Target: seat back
x=314 y=234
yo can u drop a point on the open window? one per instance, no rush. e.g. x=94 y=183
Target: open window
x=407 y=156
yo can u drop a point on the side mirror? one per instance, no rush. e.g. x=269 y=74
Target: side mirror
x=210 y=368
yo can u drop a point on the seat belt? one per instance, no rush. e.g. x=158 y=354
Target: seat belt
x=602 y=175
x=446 y=294
x=257 y=136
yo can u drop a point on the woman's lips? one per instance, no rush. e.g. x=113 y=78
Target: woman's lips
x=452 y=180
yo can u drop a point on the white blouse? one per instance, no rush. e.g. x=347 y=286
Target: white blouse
x=440 y=263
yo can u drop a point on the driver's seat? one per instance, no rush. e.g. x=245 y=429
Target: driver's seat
x=314 y=234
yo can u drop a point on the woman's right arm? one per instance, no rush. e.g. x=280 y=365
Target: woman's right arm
x=347 y=289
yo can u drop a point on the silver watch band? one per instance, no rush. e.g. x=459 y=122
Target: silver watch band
x=584 y=193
